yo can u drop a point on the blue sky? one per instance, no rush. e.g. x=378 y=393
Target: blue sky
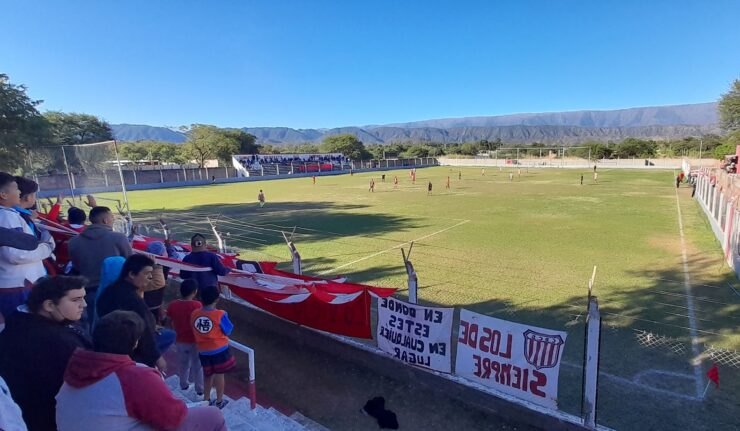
x=311 y=64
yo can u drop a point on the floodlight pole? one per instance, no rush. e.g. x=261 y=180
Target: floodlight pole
x=295 y=256
x=413 y=280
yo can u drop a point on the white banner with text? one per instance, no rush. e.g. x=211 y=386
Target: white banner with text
x=520 y=360
x=415 y=334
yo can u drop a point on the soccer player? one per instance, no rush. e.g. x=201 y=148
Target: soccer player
x=448 y=183
x=581 y=179
x=372 y=185
x=483 y=172
x=459 y=175
x=395 y=182
x=511 y=176
x=596 y=177
x=314 y=179
x=429 y=189
x=261 y=199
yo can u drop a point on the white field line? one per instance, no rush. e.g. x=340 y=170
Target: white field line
x=393 y=248
x=695 y=350
x=634 y=383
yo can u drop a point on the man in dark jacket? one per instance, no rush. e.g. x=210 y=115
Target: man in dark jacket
x=126 y=294
x=36 y=346
x=200 y=255
x=89 y=249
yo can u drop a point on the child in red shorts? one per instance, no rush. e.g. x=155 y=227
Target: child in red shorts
x=211 y=328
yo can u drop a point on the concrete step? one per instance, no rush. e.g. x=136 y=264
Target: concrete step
x=240 y=417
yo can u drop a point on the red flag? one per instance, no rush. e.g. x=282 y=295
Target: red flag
x=713 y=374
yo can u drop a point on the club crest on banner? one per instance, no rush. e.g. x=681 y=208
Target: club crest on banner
x=542 y=350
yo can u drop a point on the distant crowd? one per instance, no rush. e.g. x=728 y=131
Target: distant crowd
x=254 y=161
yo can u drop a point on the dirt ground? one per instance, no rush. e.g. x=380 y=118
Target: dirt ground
x=331 y=391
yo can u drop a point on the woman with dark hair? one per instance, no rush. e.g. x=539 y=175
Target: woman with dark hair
x=127 y=294
x=36 y=345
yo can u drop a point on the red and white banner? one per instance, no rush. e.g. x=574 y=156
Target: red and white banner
x=414 y=334
x=520 y=360
x=331 y=305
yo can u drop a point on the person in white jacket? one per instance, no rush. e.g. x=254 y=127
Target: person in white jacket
x=16 y=265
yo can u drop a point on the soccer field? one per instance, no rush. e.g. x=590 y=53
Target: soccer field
x=521 y=250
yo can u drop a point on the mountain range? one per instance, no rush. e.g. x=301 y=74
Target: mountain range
x=659 y=122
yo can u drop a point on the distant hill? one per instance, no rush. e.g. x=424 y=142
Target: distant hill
x=139 y=132
x=672 y=122
x=698 y=114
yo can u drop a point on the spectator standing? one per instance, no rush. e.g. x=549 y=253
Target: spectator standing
x=27 y=206
x=76 y=218
x=211 y=328
x=154 y=295
x=36 y=345
x=17 y=265
x=104 y=389
x=127 y=294
x=200 y=255
x=179 y=312
x=97 y=242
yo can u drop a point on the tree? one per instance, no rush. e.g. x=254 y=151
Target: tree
x=73 y=129
x=632 y=147
x=728 y=146
x=201 y=143
x=347 y=144
x=167 y=152
x=246 y=142
x=416 y=151
x=133 y=152
x=22 y=127
x=209 y=142
x=469 y=149
x=76 y=129
x=729 y=108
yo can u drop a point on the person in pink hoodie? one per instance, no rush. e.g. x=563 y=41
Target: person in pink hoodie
x=104 y=389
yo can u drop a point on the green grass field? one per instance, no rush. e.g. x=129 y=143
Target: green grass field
x=521 y=250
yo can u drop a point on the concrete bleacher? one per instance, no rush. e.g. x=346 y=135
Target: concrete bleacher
x=240 y=417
